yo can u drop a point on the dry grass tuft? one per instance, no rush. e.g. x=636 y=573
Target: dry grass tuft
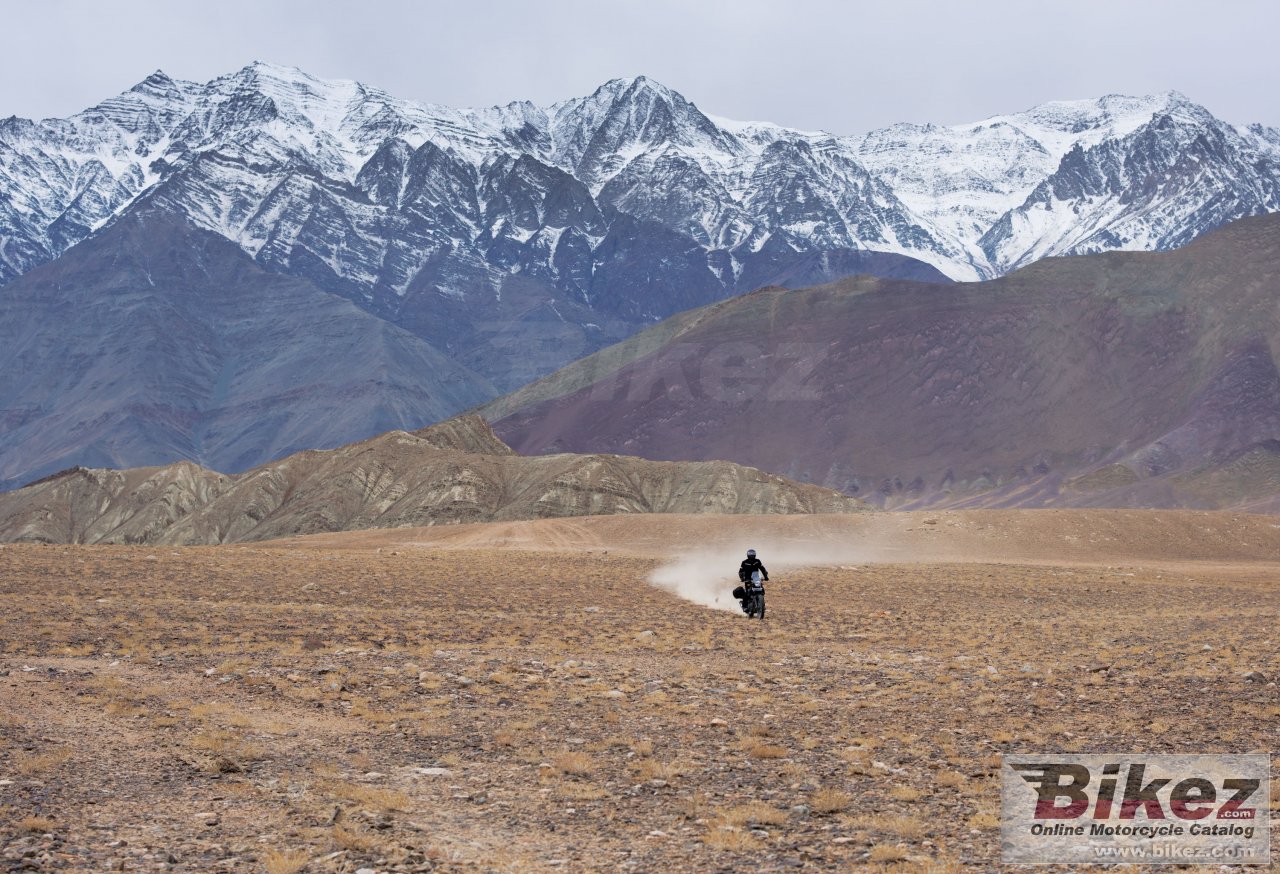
x=575 y=791
x=345 y=838
x=907 y=827
x=42 y=824
x=758 y=749
x=652 y=769
x=829 y=800
x=753 y=814
x=731 y=840
x=888 y=853
x=41 y=762
x=575 y=763
x=984 y=821
x=373 y=797
x=951 y=779
x=285 y=861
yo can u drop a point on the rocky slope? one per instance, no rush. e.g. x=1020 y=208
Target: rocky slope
x=457 y=471
x=154 y=341
x=1100 y=380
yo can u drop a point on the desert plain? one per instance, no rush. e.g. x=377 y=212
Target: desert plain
x=525 y=697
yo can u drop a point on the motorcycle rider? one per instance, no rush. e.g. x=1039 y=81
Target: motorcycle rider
x=750 y=565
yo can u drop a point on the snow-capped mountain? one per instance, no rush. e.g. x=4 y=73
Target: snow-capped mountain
x=486 y=248
x=614 y=209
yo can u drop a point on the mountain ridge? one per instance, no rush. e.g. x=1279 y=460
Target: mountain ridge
x=457 y=471
x=1115 y=379
x=335 y=127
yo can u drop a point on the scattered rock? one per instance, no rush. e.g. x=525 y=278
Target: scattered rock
x=432 y=772
x=1255 y=677
x=800 y=811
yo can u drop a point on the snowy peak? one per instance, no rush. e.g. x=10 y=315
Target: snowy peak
x=161 y=86
x=1061 y=124
x=597 y=135
x=1175 y=176
x=300 y=169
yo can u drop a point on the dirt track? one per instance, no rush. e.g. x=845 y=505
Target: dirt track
x=969 y=535
x=265 y=707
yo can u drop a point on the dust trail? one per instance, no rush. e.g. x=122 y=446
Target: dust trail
x=707 y=576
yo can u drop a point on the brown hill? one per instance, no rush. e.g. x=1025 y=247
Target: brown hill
x=1104 y=380
x=457 y=471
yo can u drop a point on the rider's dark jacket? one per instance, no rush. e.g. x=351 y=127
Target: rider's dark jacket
x=749 y=565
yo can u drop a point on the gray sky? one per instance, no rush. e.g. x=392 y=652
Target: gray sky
x=845 y=67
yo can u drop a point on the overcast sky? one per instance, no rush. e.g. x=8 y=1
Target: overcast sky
x=845 y=67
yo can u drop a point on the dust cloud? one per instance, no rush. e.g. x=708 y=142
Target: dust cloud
x=707 y=576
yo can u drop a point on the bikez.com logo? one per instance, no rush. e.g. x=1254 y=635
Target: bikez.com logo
x=1202 y=805
x=1091 y=808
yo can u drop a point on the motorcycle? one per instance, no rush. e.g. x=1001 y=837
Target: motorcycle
x=753 y=596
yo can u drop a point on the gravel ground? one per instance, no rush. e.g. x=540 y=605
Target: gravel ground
x=346 y=707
